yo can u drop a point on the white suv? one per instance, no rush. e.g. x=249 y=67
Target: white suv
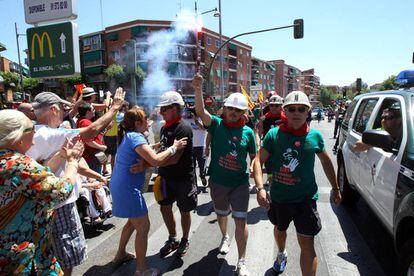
x=383 y=175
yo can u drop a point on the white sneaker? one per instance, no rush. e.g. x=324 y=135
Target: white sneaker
x=224 y=247
x=242 y=268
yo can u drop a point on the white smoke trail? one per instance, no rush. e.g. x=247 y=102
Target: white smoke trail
x=160 y=46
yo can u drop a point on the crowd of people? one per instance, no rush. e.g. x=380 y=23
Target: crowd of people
x=53 y=151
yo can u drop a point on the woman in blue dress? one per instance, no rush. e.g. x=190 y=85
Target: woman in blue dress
x=127 y=199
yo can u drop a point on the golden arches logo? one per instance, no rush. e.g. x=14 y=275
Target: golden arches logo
x=40 y=42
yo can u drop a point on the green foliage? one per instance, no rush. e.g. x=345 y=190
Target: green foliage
x=326 y=96
x=30 y=83
x=139 y=74
x=389 y=84
x=10 y=78
x=71 y=81
x=115 y=73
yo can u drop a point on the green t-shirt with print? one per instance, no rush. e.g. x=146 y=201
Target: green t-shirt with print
x=229 y=148
x=293 y=160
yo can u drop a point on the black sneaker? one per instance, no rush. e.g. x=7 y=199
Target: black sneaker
x=183 y=247
x=170 y=245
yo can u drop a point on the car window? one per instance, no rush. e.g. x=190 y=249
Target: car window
x=348 y=113
x=386 y=103
x=364 y=112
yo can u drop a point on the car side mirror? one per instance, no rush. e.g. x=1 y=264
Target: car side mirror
x=378 y=138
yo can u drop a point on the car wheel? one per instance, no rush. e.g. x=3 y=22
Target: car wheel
x=349 y=195
x=406 y=259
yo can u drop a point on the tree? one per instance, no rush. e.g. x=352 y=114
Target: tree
x=10 y=79
x=327 y=95
x=389 y=84
x=115 y=73
x=139 y=74
x=30 y=84
x=71 y=81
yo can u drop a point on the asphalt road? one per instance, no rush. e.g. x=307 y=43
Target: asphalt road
x=352 y=241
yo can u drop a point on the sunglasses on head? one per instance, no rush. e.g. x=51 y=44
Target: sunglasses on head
x=29 y=129
x=300 y=109
x=235 y=109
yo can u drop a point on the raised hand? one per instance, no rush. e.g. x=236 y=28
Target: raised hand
x=197 y=81
x=118 y=98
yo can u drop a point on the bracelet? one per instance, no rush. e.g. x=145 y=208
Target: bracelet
x=172 y=150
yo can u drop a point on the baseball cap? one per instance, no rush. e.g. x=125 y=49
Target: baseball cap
x=87 y=92
x=297 y=97
x=45 y=99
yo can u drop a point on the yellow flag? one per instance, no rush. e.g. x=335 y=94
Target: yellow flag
x=260 y=97
x=249 y=101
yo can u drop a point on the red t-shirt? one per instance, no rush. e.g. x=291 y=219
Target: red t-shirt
x=89 y=152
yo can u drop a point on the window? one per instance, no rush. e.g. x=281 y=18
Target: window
x=217 y=43
x=115 y=55
x=208 y=40
x=241 y=52
x=365 y=110
x=387 y=103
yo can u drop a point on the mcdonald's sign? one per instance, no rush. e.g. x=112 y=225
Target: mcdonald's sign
x=40 y=41
x=53 y=50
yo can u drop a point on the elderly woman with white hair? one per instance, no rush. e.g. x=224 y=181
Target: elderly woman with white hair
x=28 y=194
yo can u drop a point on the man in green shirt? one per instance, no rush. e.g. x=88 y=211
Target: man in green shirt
x=231 y=142
x=292 y=147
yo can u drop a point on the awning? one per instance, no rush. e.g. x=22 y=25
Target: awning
x=232 y=46
x=92 y=56
x=137 y=30
x=113 y=36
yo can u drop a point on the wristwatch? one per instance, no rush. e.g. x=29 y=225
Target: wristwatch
x=260 y=188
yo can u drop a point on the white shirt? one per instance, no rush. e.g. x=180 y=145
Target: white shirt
x=47 y=142
x=199 y=135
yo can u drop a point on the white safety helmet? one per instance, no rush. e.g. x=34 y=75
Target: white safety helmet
x=276 y=99
x=297 y=97
x=169 y=98
x=237 y=100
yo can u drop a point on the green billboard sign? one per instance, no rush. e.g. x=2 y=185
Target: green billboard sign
x=53 y=50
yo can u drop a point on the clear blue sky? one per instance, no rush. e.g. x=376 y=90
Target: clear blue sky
x=371 y=39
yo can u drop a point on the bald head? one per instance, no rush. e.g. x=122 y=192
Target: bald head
x=27 y=109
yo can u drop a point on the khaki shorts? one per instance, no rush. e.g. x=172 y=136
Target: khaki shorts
x=228 y=200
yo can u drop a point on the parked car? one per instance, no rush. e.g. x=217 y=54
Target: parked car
x=384 y=174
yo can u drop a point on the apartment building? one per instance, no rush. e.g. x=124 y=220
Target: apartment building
x=287 y=77
x=263 y=77
x=310 y=84
x=103 y=48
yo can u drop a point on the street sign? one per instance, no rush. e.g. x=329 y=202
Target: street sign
x=208 y=101
x=53 y=50
x=37 y=11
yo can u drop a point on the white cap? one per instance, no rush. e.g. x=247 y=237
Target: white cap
x=169 y=98
x=276 y=99
x=297 y=97
x=237 y=100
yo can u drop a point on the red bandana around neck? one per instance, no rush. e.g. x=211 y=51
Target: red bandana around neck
x=240 y=123
x=302 y=131
x=274 y=116
x=173 y=121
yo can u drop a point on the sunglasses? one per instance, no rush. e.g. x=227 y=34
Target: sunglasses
x=235 y=109
x=292 y=109
x=29 y=129
x=389 y=117
x=165 y=108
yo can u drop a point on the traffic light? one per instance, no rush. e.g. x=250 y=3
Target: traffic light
x=298 y=28
x=358 y=84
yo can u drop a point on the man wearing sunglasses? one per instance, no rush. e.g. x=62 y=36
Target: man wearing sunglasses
x=271 y=119
x=177 y=174
x=231 y=142
x=292 y=147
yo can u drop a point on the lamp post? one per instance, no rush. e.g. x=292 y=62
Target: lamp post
x=20 y=64
x=219 y=15
x=298 y=34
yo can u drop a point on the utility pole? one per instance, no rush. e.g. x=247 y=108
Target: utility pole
x=20 y=64
x=221 y=56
